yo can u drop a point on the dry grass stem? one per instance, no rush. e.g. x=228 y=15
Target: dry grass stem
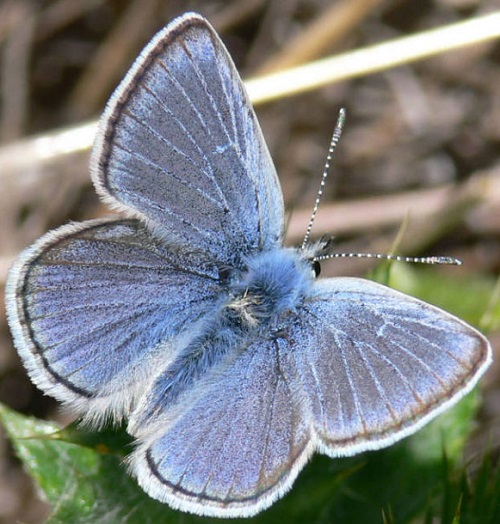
x=331 y=27
x=374 y=59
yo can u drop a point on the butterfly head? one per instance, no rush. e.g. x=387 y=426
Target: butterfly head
x=317 y=251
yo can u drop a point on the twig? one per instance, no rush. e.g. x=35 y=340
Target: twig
x=329 y=28
x=112 y=58
x=374 y=59
x=363 y=215
x=60 y=14
x=235 y=13
x=14 y=77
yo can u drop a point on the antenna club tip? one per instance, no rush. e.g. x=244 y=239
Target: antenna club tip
x=342 y=116
x=452 y=261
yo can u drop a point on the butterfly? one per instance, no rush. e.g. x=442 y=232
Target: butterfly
x=230 y=360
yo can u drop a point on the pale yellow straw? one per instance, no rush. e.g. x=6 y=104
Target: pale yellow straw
x=373 y=59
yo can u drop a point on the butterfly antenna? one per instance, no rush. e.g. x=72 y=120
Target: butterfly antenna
x=333 y=144
x=436 y=260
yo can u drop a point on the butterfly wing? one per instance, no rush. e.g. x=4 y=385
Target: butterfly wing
x=376 y=365
x=180 y=148
x=234 y=444
x=179 y=145
x=93 y=307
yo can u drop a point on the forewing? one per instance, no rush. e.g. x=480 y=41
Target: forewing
x=94 y=306
x=179 y=145
x=378 y=364
x=236 y=443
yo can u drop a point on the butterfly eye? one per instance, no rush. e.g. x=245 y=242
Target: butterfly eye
x=316 y=267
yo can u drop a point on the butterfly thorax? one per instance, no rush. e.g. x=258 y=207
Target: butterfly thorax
x=272 y=282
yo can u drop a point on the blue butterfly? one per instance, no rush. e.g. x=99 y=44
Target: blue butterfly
x=231 y=362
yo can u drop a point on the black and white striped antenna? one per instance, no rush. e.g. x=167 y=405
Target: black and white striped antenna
x=337 y=132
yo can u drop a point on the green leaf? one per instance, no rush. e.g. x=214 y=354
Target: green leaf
x=81 y=484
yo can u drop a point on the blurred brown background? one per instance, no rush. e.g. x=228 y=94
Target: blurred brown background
x=433 y=125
